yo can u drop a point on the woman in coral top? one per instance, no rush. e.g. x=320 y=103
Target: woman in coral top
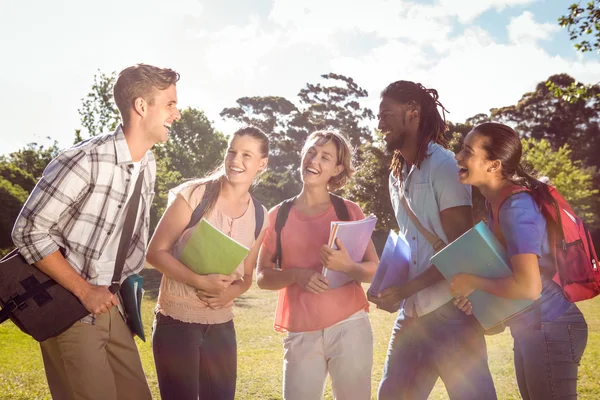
x=193 y=338
x=328 y=330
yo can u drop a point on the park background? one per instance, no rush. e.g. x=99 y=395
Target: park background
x=292 y=68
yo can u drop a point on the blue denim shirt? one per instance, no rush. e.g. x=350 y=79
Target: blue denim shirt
x=429 y=190
x=524 y=230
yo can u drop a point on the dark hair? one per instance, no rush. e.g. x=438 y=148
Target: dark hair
x=432 y=125
x=139 y=81
x=217 y=176
x=503 y=143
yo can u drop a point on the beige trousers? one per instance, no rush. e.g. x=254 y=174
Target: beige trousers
x=344 y=350
x=95 y=362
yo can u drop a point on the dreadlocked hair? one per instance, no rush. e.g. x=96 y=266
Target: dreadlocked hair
x=432 y=125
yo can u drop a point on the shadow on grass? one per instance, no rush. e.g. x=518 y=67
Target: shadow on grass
x=152 y=279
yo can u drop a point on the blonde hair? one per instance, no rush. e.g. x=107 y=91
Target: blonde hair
x=140 y=80
x=344 y=155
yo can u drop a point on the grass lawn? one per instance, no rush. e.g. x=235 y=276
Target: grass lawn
x=260 y=353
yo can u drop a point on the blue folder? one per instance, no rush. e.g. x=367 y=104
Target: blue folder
x=393 y=265
x=478 y=252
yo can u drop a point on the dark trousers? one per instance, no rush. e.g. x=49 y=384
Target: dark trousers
x=194 y=361
x=444 y=343
x=547 y=359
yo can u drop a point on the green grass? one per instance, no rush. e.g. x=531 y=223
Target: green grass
x=260 y=353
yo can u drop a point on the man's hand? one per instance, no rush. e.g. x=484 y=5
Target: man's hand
x=389 y=299
x=98 y=299
x=337 y=260
x=310 y=280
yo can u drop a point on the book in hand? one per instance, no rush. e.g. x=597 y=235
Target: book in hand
x=393 y=265
x=210 y=251
x=478 y=252
x=355 y=237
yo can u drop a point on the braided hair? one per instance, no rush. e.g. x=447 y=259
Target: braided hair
x=432 y=125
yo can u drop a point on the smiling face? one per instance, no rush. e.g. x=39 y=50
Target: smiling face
x=397 y=121
x=475 y=168
x=320 y=163
x=244 y=159
x=160 y=114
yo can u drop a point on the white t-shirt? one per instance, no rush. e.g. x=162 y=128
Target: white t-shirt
x=105 y=266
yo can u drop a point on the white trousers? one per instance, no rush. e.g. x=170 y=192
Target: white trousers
x=344 y=350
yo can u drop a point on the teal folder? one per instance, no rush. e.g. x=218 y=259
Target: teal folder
x=210 y=251
x=478 y=252
x=131 y=294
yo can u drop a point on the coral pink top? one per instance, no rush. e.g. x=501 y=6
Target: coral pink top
x=301 y=239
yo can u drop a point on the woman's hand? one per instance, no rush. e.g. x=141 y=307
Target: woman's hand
x=310 y=280
x=462 y=285
x=213 y=284
x=337 y=260
x=215 y=302
x=463 y=304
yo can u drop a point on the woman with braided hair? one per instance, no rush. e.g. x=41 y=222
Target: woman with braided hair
x=431 y=338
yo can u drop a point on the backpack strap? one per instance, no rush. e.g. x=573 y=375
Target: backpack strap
x=259 y=217
x=199 y=211
x=339 y=205
x=282 y=215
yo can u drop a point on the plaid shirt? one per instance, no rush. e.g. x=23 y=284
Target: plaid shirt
x=79 y=199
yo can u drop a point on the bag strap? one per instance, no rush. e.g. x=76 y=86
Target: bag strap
x=200 y=208
x=282 y=215
x=259 y=217
x=340 y=207
x=433 y=239
x=127 y=234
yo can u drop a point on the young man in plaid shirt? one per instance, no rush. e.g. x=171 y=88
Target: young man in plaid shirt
x=70 y=229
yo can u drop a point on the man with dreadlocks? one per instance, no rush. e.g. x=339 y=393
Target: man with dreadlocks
x=431 y=337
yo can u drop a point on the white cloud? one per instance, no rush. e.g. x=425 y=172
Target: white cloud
x=467 y=10
x=471 y=72
x=524 y=29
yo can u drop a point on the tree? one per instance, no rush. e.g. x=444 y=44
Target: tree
x=583 y=24
x=12 y=197
x=32 y=159
x=369 y=187
x=16 y=176
x=541 y=115
x=333 y=104
x=98 y=112
x=574 y=182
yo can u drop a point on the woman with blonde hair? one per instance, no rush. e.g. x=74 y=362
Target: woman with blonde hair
x=328 y=330
x=193 y=340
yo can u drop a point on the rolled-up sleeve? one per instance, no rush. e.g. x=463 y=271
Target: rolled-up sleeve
x=65 y=180
x=449 y=192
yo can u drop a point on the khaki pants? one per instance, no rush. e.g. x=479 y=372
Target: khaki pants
x=95 y=362
x=344 y=350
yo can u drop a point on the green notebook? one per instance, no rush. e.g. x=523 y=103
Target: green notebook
x=210 y=251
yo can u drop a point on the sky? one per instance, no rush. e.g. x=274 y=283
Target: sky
x=478 y=54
